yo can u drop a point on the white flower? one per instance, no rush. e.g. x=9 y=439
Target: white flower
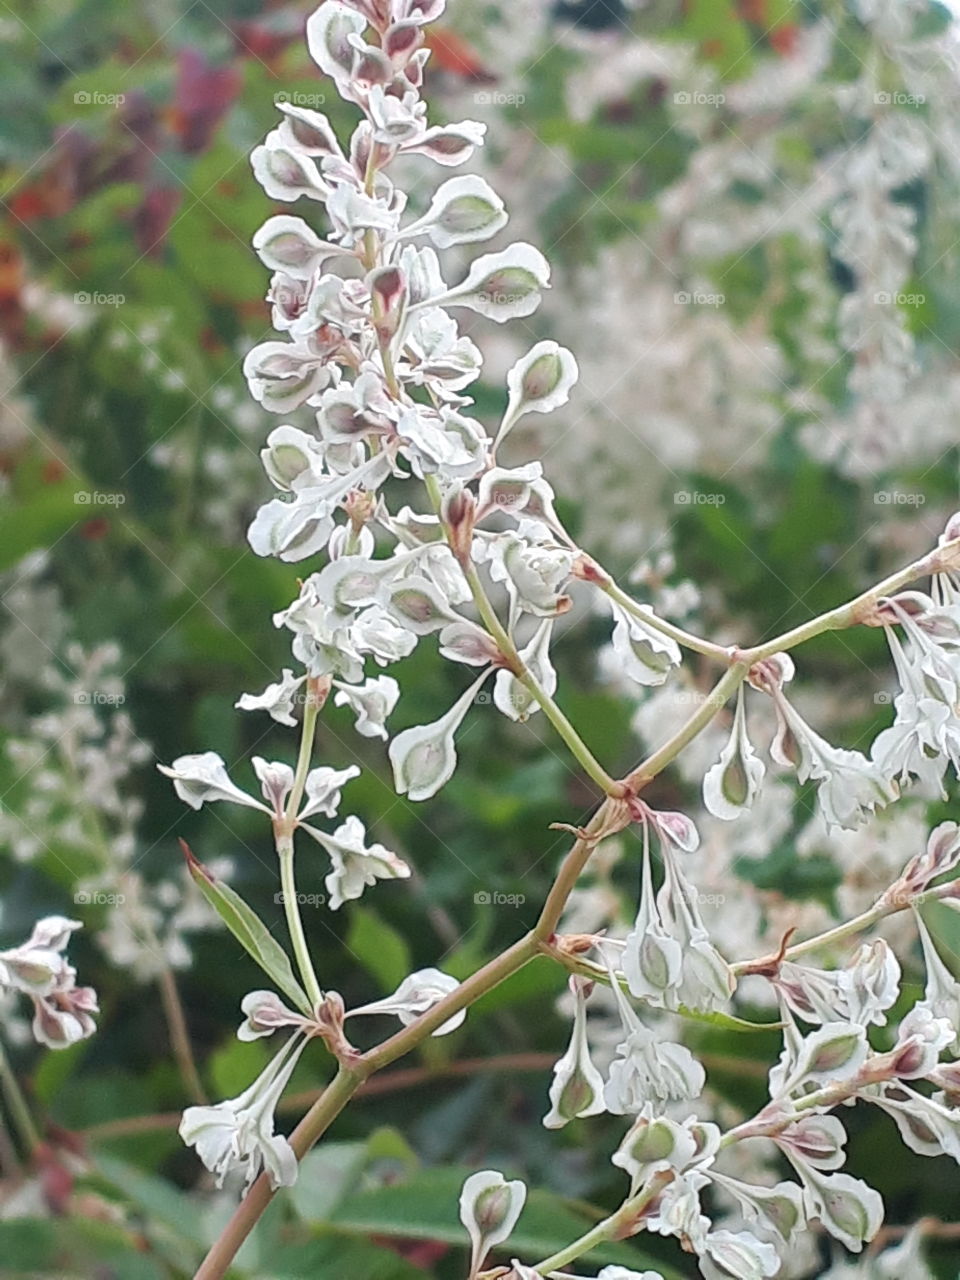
x=277 y=699
x=502 y=286
x=510 y=695
x=489 y=1209
x=237 y=1135
x=648 y=1068
x=462 y=211
x=322 y=789
x=645 y=654
x=286 y=174
x=941 y=995
x=265 y=1013
x=284 y=375
x=37 y=968
x=577 y=1086
x=355 y=867
x=737 y=1255
x=417 y=994
x=203 y=778
x=846 y=1207
x=285 y=243
x=652 y=960
x=425 y=757
x=731 y=785
x=539 y=382
x=851 y=787
x=779 y=1208
x=371 y=702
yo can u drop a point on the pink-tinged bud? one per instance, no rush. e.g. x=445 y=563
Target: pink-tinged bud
x=401 y=41
x=677 y=828
x=459 y=514
x=818 y=1140
x=771 y=673
x=951 y=530
x=388 y=291
x=940 y=856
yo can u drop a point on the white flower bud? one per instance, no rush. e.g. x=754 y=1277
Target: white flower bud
x=285 y=174
x=646 y=655
x=731 y=786
x=371 y=702
x=417 y=994
x=463 y=211
x=489 y=1209
x=737 y=1255
x=510 y=695
x=425 y=757
x=502 y=286
x=200 y=779
x=846 y=1207
x=577 y=1086
x=329 y=29
x=539 y=382
x=288 y=244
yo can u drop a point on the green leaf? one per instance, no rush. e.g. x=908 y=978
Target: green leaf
x=248 y=929
x=426 y=1208
x=381 y=950
x=725 y=1021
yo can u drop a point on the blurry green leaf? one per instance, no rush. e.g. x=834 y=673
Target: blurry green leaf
x=381 y=950
x=426 y=1208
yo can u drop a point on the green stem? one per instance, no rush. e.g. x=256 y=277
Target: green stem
x=17 y=1104
x=620 y=1224
x=685 y=638
x=713 y=702
x=291 y=910
x=576 y=745
x=283 y=834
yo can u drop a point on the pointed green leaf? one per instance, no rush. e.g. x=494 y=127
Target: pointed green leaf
x=248 y=929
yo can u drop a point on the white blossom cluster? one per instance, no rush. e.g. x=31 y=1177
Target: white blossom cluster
x=72 y=767
x=387 y=477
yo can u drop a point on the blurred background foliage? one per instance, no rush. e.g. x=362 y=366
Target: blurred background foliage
x=128 y=296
